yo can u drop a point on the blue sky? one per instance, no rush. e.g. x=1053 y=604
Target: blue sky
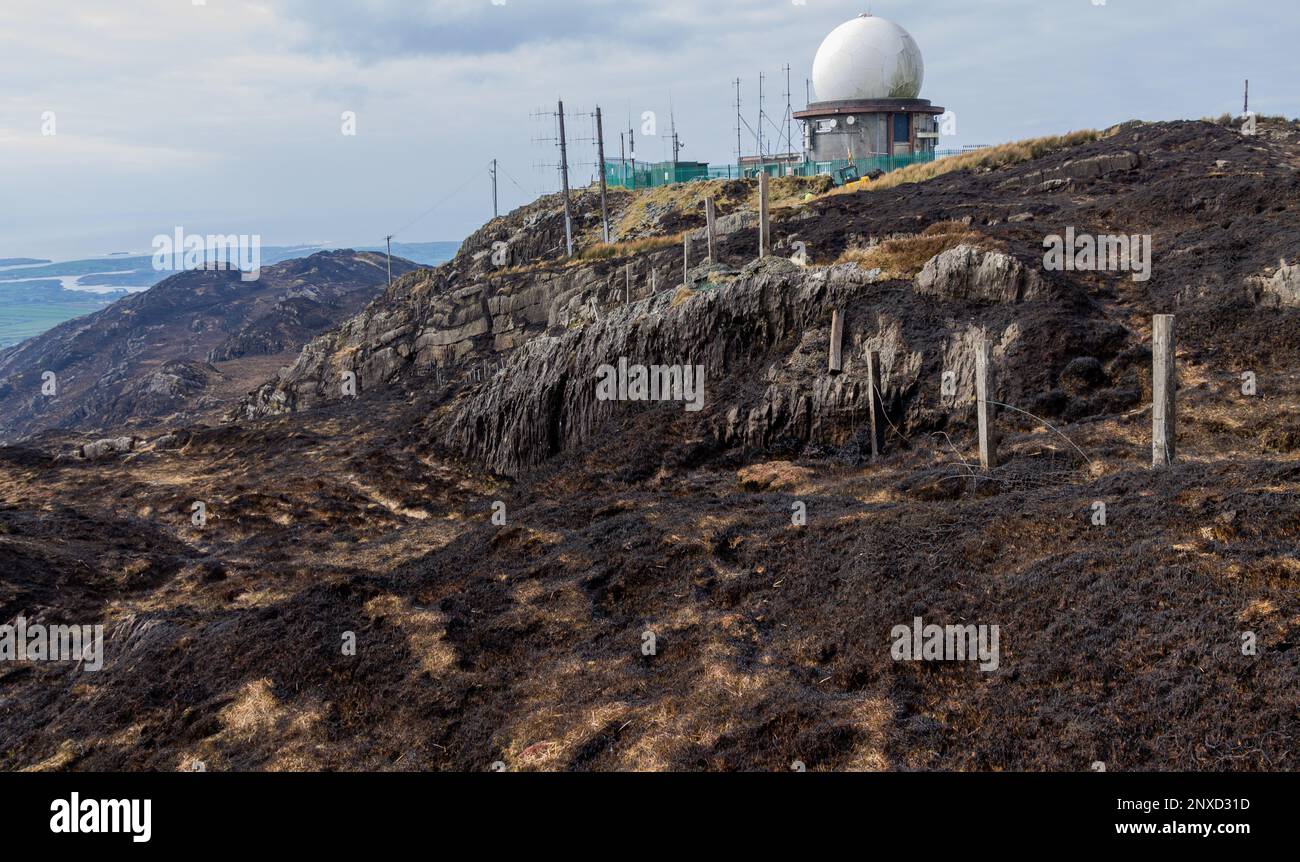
x=226 y=116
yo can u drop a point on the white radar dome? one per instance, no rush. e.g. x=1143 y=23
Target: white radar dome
x=868 y=58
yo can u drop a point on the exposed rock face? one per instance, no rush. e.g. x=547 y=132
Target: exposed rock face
x=762 y=338
x=454 y=317
x=968 y=274
x=1280 y=289
x=1081 y=170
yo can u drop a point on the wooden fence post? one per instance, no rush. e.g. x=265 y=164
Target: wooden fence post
x=984 y=386
x=1164 y=388
x=877 y=405
x=710 y=216
x=837 y=338
x=686 y=258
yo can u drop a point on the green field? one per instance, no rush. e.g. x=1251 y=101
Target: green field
x=25 y=319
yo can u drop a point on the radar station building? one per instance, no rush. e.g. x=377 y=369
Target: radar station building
x=867 y=75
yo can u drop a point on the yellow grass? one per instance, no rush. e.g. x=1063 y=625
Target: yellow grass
x=603 y=250
x=903 y=257
x=989 y=158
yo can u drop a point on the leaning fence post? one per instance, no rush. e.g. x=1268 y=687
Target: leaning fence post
x=984 y=384
x=1164 y=387
x=836 y=364
x=876 y=409
x=710 y=217
x=764 y=235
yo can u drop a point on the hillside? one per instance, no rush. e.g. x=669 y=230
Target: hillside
x=369 y=517
x=159 y=354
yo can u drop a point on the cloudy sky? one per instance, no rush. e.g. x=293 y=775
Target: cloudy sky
x=225 y=116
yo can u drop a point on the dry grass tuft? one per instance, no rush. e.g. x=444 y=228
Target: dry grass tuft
x=903 y=257
x=604 y=251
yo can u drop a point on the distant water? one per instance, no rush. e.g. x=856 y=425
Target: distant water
x=36 y=297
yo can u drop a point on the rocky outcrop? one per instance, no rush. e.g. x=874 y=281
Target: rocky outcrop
x=1084 y=169
x=968 y=274
x=1281 y=289
x=100 y=449
x=761 y=335
x=455 y=317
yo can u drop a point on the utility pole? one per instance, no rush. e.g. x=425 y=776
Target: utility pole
x=564 y=176
x=760 y=117
x=600 y=154
x=739 y=150
x=1245 y=109
x=622 y=158
x=389 y=240
x=494 y=189
x=789 y=114
x=631 y=146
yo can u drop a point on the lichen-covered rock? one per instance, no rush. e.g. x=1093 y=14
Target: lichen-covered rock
x=1281 y=289
x=965 y=273
x=108 y=447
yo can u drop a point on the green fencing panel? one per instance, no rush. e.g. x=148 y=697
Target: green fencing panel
x=640 y=175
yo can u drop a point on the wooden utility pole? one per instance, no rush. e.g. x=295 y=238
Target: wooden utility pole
x=876 y=411
x=984 y=386
x=600 y=152
x=1164 y=387
x=710 y=217
x=564 y=174
x=1245 y=107
x=495 y=214
x=389 y=240
x=764 y=237
x=837 y=338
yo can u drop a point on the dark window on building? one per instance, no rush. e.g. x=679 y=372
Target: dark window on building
x=901 y=133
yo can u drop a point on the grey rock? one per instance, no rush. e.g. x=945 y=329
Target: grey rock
x=967 y=273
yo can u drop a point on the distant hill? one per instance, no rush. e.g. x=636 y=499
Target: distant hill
x=163 y=351
x=36 y=295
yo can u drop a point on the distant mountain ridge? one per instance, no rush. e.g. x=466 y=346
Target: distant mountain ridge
x=160 y=352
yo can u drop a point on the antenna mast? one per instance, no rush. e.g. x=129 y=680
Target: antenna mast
x=739 y=150
x=789 y=114
x=495 y=214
